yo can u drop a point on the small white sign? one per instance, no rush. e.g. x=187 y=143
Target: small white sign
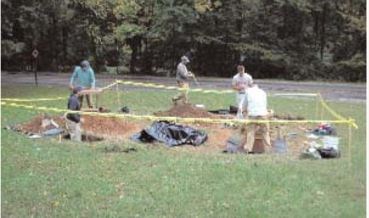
x=35 y=53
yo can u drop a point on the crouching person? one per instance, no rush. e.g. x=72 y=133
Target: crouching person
x=73 y=120
x=257 y=110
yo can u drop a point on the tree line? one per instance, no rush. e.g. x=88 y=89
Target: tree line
x=287 y=39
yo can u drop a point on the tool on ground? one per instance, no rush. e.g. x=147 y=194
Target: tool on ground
x=279 y=145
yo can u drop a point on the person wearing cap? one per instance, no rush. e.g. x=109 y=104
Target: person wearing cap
x=256 y=110
x=73 y=120
x=83 y=76
x=182 y=77
x=240 y=82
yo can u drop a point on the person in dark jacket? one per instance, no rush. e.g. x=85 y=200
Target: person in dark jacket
x=74 y=119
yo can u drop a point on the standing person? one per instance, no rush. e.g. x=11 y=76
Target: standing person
x=73 y=120
x=182 y=77
x=240 y=82
x=256 y=110
x=83 y=76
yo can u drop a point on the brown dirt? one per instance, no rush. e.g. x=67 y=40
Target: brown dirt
x=109 y=127
x=185 y=110
x=34 y=125
x=119 y=129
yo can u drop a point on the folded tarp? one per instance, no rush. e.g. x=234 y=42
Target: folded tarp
x=171 y=134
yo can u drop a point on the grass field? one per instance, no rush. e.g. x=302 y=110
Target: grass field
x=45 y=178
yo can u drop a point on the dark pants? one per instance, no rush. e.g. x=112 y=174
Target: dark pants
x=88 y=99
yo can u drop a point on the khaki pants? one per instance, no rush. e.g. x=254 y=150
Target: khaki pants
x=252 y=128
x=74 y=130
x=88 y=99
x=182 y=96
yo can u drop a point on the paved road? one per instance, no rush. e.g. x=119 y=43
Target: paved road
x=352 y=92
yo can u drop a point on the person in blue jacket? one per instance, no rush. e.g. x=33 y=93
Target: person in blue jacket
x=83 y=76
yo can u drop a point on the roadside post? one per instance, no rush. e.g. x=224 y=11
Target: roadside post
x=35 y=55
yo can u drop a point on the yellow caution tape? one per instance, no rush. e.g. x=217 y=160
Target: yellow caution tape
x=340 y=118
x=159 y=86
x=180 y=119
x=353 y=123
x=48 y=99
x=109 y=86
x=330 y=110
x=153 y=85
x=33 y=99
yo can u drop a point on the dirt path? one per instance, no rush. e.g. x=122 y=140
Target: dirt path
x=351 y=92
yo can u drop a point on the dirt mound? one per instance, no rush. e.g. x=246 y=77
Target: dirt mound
x=105 y=127
x=110 y=127
x=35 y=125
x=185 y=110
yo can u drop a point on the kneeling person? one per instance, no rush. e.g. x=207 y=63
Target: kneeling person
x=74 y=119
x=257 y=110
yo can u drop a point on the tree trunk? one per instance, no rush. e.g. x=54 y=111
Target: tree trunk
x=322 y=36
x=64 y=44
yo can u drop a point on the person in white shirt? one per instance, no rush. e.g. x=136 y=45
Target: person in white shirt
x=240 y=82
x=182 y=77
x=256 y=110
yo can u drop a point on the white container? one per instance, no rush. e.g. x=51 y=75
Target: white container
x=200 y=106
x=331 y=142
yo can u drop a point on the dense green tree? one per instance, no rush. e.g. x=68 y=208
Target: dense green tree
x=291 y=39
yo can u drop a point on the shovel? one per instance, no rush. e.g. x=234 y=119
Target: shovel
x=279 y=145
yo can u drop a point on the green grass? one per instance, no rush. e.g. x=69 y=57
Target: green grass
x=45 y=178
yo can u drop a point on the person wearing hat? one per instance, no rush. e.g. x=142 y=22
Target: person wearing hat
x=240 y=82
x=73 y=120
x=182 y=77
x=83 y=76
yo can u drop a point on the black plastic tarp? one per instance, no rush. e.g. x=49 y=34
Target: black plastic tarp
x=231 y=110
x=171 y=134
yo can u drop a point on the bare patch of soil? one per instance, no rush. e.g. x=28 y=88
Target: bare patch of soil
x=35 y=124
x=110 y=127
x=119 y=129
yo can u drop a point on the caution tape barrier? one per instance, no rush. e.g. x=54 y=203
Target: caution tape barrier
x=153 y=85
x=329 y=109
x=179 y=119
x=49 y=99
x=340 y=118
x=33 y=99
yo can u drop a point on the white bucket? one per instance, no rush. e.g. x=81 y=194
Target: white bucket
x=331 y=142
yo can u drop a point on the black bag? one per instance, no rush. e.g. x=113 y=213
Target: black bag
x=329 y=152
x=171 y=134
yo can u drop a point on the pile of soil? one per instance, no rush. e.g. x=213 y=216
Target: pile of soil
x=104 y=127
x=186 y=110
x=110 y=127
x=34 y=125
